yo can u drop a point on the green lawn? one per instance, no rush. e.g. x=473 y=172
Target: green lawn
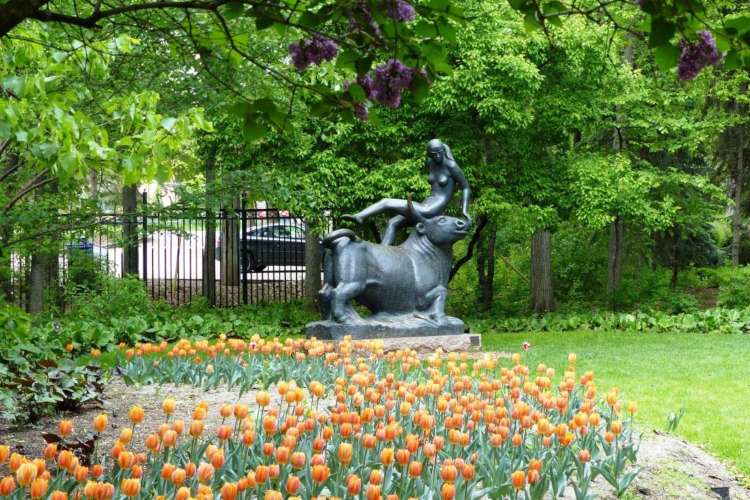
x=707 y=374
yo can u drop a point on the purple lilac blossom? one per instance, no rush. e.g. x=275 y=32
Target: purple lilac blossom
x=697 y=55
x=362 y=10
x=389 y=80
x=315 y=50
x=400 y=10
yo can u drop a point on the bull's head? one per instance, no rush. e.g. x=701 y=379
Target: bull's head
x=442 y=230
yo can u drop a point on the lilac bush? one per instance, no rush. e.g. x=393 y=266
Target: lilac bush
x=315 y=50
x=697 y=55
x=400 y=10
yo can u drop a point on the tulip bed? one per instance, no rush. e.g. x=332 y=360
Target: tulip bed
x=351 y=423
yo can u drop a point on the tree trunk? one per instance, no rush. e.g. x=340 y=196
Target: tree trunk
x=542 y=299
x=230 y=247
x=739 y=174
x=38 y=281
x=675 y=261
x=129 y=230
x=615 y=257
x=6 y=270
x=209 y=242
x=312 y=266
x=486 y=267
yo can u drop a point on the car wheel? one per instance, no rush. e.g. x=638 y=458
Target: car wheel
x=251 y=264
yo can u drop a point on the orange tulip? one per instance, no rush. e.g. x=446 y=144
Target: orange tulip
x=298 y=460
x=179 y=476
x=226 y=410
x=100 y=422
x=448 y=491
x=168 y=406
x=58 y=495
x=518 y=479
x=224 y=432
x=169 y=438
x=136 y=415
x=293 y=485
x=282 y=455
x=468 y=472
x=183 y=493
x=25 y=474
x=616 y=427
x=262 y=398
x=345 y=453
x=415 y=469
x=353 y=484
x=448 y=472
x=373 y=492
x=4 y=453
x=50 y=451
x=320 y=473
x=272 y=495
x=229 y=491
x=81 y=474
x=584 y=456
x=39 y=487
x=386 y=456
x=205 y=472
x=130 y=487
x=217 y=460
x=7 y=486
x=65 y=428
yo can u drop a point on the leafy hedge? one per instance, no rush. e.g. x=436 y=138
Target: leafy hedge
x=717 y=320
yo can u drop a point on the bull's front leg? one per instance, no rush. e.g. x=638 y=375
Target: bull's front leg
x=436 y=299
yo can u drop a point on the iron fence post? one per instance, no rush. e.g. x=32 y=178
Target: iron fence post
x=243 y=250
x=144 y=255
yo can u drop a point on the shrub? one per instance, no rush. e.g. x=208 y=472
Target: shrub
x=717 y=320
x=734 y=287
x=37 y=375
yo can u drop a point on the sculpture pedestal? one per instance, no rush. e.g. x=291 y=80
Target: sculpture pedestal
x=383 y=326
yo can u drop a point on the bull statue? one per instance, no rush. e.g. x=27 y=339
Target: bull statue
x=404 y=287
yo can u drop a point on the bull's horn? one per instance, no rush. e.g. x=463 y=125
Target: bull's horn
x=413 y=213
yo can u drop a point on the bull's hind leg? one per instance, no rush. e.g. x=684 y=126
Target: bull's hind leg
x=325 y=292
x=341 y=301
x=351 y=280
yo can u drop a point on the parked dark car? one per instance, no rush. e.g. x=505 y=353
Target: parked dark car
x=271 y=245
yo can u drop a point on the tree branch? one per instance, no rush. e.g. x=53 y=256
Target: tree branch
x=482 y=222
x=15 y=11
x=37 y=182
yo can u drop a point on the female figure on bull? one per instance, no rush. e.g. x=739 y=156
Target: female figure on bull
x=444 y=176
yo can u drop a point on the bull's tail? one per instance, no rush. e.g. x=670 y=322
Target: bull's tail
x=330 y=240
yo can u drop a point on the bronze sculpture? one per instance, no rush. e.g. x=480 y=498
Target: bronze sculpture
x=405 y=286
x=444 y=176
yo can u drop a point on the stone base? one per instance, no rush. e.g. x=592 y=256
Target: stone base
x=385 y=327
x=427 y=345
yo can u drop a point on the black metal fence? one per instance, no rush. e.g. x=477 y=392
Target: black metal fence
x=235 y=257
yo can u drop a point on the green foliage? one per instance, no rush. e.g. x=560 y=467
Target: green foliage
x=734 y=287
x=717 y=320
x=37 y=376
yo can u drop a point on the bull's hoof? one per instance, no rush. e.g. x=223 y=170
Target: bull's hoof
x=348 y=318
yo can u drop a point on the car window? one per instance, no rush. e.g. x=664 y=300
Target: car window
x=297 y=232
x=262 y=232
x=282 y=231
